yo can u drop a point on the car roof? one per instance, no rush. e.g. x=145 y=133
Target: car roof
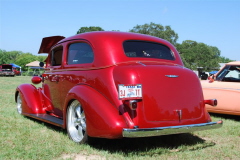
x=112 y=35
x=110 y=44
x=233 y=63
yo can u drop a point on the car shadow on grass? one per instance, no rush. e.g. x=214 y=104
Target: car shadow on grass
x=226 y=116
x=150 y=146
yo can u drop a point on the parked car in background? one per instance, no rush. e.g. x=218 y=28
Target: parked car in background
x=16 y=69
x=114 y=85
x=16 y=72
x=6 y=70
x=225 y=87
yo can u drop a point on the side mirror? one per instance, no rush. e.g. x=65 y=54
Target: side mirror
x=41 y=64
x=36 y=80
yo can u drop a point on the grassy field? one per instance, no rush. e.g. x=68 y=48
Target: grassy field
x=26 y=138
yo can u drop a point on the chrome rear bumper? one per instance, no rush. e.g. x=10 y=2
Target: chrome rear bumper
x=149 y=132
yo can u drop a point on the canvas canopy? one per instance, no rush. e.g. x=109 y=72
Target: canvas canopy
x=213 y=72
x=36 y=67
x=33 y=64
x=14 y=65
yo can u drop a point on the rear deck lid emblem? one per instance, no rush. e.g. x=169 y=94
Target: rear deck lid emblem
x=172 y=76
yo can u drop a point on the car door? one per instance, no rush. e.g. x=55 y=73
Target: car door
x=226 y=89
x=79 y=58
x=53 y=82
x=229 y=79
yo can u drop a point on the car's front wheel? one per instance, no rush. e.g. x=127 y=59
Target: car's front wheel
x=76 y=123
x=19 y=104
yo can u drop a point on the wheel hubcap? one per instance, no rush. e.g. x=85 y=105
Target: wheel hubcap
x=19 y=104
x=76 y=121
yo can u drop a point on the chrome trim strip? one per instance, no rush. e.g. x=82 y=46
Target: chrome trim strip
x=68 y=68
x=141 y=63
x=148 y=132
x=221 y=88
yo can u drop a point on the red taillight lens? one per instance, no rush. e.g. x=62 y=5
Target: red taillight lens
x=212 y=102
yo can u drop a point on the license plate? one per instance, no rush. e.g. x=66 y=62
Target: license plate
x=130 y=91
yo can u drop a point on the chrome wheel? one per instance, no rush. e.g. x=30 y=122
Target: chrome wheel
x=76 y=123
x=19 y=104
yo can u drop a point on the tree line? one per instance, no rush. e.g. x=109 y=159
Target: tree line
x=194 y=54
x=19 y=58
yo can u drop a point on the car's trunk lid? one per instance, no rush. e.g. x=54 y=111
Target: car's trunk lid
x=169 y=92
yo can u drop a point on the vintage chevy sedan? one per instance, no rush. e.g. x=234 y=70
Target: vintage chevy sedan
x=114 y=85
x=225 y=87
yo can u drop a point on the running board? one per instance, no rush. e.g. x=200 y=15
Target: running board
x=47 y=118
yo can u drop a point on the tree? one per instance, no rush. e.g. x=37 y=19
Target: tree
x=41 y=58
x=196 y=55
x=224 y=60
x=8 y=57
x=24 y=59
x=157 y=30
x=19 y=58
x=89 y=29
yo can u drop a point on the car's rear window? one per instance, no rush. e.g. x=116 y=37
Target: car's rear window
x=147 y=50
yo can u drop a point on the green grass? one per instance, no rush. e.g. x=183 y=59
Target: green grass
x=26 y=138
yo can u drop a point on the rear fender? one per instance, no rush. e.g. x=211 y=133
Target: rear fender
x=31 y=99
x=103 y=119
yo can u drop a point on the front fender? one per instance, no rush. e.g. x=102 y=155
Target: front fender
x=103 y=119
x=31 y=99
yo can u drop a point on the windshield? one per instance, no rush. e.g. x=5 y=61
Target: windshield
x=229 y=74
x=145 y=49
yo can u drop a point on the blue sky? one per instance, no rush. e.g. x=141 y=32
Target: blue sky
x=23 y=23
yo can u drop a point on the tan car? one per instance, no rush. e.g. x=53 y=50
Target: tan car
x=225 y=87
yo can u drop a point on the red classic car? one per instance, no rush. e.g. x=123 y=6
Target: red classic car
x=225 y=87
x=114 y=85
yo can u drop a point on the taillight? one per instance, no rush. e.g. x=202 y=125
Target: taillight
x=212 y=102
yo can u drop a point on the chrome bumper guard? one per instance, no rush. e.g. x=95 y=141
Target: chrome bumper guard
x=149 y=132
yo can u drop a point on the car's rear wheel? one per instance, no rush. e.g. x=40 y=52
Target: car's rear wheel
x=19 y=104
x=76 y=123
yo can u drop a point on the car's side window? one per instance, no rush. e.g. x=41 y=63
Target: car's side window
x=230 y=74
x=233 y=74
x=80 y=53
x=56 y=59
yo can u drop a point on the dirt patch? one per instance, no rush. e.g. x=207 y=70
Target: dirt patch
x=82 y=157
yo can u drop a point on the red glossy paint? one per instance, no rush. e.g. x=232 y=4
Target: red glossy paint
x=171 y=94
x=36 y=80
x=31 y=99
